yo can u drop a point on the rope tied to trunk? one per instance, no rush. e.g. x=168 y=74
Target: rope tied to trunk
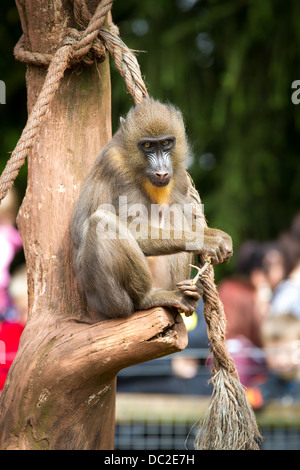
x=89 y=45
x=230 y=422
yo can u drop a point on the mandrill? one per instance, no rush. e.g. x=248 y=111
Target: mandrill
x=133 y=229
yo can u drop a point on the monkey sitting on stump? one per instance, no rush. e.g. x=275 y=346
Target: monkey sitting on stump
x=142 y=260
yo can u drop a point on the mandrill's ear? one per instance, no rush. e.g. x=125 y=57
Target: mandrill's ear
x=122 y=120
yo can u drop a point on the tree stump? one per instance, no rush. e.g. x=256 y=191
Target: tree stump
x=60 y=391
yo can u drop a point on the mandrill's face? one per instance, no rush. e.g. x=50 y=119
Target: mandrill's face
x=157 y=154
x=155 y=149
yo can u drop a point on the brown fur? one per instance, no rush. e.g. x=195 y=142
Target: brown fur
x=116 y=275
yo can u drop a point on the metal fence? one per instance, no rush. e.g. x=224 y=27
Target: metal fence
x=169 y=422
x=158 y=410
x=154 y=436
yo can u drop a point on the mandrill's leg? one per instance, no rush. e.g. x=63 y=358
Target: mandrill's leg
x=115 y=275
x=113 y=272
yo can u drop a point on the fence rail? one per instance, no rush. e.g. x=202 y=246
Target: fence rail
x=149 y=421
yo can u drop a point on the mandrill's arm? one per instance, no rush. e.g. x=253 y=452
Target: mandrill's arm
x=207 y=241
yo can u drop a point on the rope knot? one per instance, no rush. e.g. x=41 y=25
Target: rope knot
x=85 y=45
x=88 y=44
x=89 y=53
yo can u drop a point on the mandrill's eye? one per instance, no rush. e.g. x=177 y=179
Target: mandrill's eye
x=146 y=146
x=165 y=143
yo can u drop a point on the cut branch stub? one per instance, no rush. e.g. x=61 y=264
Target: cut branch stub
x=64 y=394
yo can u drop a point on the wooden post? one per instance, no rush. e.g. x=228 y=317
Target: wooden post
x=60 y=391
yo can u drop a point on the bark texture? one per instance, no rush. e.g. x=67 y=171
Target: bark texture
x=60 y=391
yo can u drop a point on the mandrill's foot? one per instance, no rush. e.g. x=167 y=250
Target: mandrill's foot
x=184 y=299
x=190 y=294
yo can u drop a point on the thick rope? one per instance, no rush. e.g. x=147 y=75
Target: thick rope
x=213 y=307
x=126 y=64
x=229 y=423
x=55 y=73
x=124 y=58
x=88 y=46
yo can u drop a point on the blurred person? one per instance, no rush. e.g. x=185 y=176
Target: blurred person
x=11 y=330
x=287 y=294
x=10 y=244
x=273 y=264
x=19 y=294
x=281 y=343
x=246 y=298
x=246 y=295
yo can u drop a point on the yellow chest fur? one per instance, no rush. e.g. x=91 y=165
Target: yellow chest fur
x=158 y=195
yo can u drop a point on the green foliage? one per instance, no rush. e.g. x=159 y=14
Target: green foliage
x=229 y=65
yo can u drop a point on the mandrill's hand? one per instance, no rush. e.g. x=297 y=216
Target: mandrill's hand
x=217 y=245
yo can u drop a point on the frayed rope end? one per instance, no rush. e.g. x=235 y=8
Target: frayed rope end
x=229 y=423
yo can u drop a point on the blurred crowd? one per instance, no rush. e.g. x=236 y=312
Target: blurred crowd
x=262 y=307
x=261 y=303
x=13 y=285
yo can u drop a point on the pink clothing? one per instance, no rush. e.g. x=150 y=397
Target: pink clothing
x=10 y=244
x=10 y=334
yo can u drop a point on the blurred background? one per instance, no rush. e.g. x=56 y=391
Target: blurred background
x=229 y=66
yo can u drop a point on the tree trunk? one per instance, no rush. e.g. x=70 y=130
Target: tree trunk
x=60 y=391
